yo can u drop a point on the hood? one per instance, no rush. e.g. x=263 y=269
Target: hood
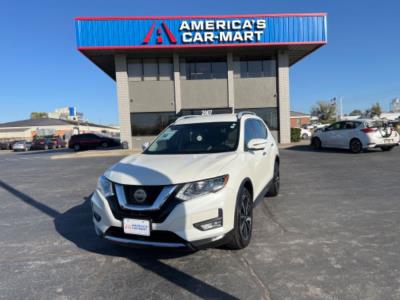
x=148 y=169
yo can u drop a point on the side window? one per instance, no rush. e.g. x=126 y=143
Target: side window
x=351 y=125
x=336 y=126
x=254 y=129
x=261 y=130
x=249 y=131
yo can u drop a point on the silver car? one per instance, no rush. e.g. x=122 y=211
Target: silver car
x=22 y=146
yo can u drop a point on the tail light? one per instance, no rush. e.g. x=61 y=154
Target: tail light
x=369 y=130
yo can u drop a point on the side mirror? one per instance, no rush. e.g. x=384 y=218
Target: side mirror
x=145 y=146
x=256 y=144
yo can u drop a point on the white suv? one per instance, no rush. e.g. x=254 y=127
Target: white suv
x=193 y=186
x=356 y=135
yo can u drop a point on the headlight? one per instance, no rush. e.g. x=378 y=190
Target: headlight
x=104 y=186
x=199 y=188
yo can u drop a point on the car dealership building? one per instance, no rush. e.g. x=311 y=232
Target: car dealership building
x=166 y=67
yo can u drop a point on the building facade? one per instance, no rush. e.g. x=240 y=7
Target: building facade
x=298 y=119
x=166 y=67
x=31 y=128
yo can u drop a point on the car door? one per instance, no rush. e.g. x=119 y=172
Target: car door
x=349 y=132
x=256 y=160
x=332 y=135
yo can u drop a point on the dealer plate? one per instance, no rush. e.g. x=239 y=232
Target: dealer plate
x=137 y=226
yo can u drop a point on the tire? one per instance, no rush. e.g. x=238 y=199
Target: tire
x=316 y=143
x=77 y=147
x=243 y=219
x=46 y=147
x=387 y=148
x=276 y=182
x=356 y=146
x=104 y=145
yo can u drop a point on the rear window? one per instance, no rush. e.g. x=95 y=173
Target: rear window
x=374 y=124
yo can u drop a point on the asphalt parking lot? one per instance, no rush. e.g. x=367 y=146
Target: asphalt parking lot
x=333 y=233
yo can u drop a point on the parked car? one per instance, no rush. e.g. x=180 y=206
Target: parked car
x=305 y=133
x=59 y=142
x=43 y=144
x=314 y=126
x=22 y=146
x=91 y=141
x=6 y=145
x=356 y=135
x=194 y=186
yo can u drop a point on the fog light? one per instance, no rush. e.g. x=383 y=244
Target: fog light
x=97 y=217
x=211 y=223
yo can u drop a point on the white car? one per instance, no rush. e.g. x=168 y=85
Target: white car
x=193 y=186
x=356 y=135
x=305 y=133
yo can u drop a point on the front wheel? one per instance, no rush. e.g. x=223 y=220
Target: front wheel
x=243 y=226
x=77 y=147
x=104 y=145
x=387 y=148
x=316 y=143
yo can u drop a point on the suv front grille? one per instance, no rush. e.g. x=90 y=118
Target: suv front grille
x=156 y=216
x=142 y=195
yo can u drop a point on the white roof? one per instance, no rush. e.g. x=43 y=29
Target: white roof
x=192 y=119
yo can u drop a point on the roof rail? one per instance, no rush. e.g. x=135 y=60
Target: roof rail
x=242 y=113
x=187 y=117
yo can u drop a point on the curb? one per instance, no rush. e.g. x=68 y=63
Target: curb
x=95 y=153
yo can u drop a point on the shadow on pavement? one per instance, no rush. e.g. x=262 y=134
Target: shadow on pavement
x=308 y=148
x=50 y=151
x=76 y=226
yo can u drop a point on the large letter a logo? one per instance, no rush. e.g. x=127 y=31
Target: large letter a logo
x=159 y=40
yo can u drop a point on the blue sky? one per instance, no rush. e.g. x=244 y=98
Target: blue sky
x=42 y=70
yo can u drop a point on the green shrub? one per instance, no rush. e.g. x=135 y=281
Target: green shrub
x=295 y=135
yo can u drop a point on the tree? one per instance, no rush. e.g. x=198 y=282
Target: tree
x=38 y=115
x=376 y=110
x=325 y=111
x=356 y=112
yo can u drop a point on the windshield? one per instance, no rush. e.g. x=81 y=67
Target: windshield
x=196 y=138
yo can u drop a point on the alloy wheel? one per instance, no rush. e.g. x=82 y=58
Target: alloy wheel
x=245 y=217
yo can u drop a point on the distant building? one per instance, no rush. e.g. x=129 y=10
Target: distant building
x=390 y=116
x=298 y=119
x=28 y=129
x=395 y=105
x=66 y=113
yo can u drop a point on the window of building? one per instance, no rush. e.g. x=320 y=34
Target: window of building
x=193 y=69
x=254 y=67
x=151 y=123
x=135 y=70
x=148 y=69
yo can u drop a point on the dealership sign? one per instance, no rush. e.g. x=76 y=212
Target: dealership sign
x=142 y=32
x=210 y=31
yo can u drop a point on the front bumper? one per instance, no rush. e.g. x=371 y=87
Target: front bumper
x=173 y=226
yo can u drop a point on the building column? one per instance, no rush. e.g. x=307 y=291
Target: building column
x=283 y=97
x=231 y=86
x=177 y=83
x=121 y=78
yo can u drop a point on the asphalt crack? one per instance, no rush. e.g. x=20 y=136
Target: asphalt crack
x=266 y=293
